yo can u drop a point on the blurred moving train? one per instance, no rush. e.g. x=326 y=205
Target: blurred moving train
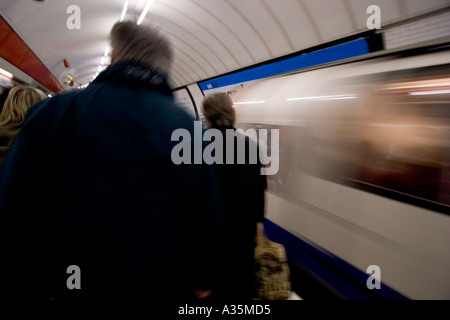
x=364 y=171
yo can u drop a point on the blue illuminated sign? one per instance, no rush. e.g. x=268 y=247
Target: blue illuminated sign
x=342 y=51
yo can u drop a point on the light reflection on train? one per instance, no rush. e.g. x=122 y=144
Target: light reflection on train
x=364 y=163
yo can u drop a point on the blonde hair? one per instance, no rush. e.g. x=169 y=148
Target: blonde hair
x=143 y=44
x=19 y=100
x=218 y=110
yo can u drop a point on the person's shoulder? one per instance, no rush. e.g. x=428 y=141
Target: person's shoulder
x=180 y=113
x=8 y=132
x=54 y=108
x=246 y=136
x=51 y=102
x=63 y=99
x=175 y=115
x=6 y=129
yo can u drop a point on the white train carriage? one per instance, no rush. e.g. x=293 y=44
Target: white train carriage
x=364 y=177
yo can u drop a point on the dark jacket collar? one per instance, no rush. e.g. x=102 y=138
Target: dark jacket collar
x=134 y=74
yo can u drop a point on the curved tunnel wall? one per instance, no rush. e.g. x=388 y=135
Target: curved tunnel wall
x=14 y=50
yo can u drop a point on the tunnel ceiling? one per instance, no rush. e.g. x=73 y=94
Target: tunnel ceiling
x=211 y=37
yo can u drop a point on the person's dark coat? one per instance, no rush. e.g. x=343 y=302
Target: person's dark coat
x=242 y=189
x=89 y=182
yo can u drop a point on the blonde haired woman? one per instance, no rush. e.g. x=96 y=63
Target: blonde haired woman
x=19 y=100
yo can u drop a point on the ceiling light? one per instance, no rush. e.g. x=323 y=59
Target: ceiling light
x=417 y=93
x=249 y=102
x=334 y=97
x=6 y=73
x=144 y=12
x=124 y=11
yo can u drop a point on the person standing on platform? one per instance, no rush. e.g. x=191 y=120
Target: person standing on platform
x=92 y=206
x=242 y=189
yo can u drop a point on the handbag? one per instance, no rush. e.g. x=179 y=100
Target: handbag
x=272 y=274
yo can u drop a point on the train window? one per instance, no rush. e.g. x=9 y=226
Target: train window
x=385 y=133
x=401 y=144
